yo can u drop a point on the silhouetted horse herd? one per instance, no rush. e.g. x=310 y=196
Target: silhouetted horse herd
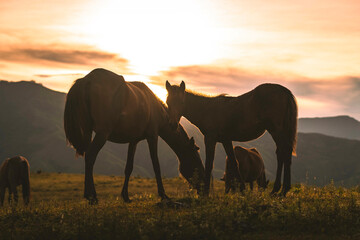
x=103 y=103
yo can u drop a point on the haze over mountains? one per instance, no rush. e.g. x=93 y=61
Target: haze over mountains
x=31 y=124
x=339 y=126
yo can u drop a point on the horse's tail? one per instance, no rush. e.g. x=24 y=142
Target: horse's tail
x=291 y=121
x=77 y=118
x=26 y=182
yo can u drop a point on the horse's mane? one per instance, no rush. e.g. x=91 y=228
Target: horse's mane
x=204 y=94
x=145 y=87
x=206 y=98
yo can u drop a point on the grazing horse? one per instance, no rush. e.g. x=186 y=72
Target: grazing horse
x=250 y=166
x=14 y=172
x=122 y=112
x=224 y=119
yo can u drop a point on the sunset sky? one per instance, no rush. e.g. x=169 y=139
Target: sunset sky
x=217 y=46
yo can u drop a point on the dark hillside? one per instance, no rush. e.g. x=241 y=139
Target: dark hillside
x=31 y=124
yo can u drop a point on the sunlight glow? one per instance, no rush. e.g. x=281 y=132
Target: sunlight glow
x=154 y=35
x=159 y=91
x=317 y=107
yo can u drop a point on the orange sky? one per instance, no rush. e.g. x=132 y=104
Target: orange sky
x=311 y=47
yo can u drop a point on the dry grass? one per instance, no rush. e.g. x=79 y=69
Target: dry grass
x=58 y=211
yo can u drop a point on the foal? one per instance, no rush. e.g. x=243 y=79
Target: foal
x=250 y=165
x=14 y=172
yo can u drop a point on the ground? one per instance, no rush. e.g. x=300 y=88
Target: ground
x=58 y=211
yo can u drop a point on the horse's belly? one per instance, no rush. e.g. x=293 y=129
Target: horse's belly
x=127 y=134
x=127 y=131
x=244 y=134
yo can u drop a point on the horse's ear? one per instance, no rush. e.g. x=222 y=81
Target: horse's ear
x=182 y=86
x=168 y=85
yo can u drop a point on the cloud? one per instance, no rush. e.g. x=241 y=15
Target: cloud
x=70 y=55
x=56 y=65
x=58 y=75
x=212 y=78
x=335 y=96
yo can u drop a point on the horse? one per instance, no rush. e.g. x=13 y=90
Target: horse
x=268 y=107
x=250 y=165
x=122 y=112
x=14 y=172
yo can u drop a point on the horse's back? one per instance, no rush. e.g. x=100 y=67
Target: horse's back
x=13 y=168
x=18 y=164
x=102 y=89
x=272 y=100
x=143 y=112
x=119 y=109
x=156 y=107
x=250 y=163
x=256 y=159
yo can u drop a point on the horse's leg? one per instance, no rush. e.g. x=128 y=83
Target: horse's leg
x=210 y=153
x=90 y=157
x=233 y=163
x=26 y=197
x=280 y=163
x=251 y=186
x=152 y=142
x=2 y=195
x=14 y=191
x=287 y=153
x=10 y=195
x=283 y=152
x=128 y=170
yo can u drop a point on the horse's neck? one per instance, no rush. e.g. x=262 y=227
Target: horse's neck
x=172 y=138
x=195 y=108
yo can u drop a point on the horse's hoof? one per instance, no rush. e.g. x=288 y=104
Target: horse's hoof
x=274 y=194
x=165 y=198
x=92 y=201
x=275 y=191
x=127 y=200
x=169 y=203
x=284 y=192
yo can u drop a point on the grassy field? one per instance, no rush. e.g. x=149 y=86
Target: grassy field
x=58 y=211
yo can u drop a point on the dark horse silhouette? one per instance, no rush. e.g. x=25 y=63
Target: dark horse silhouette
x=250 y=166
x=14 y=172
x=224 y=119
x=123 y=112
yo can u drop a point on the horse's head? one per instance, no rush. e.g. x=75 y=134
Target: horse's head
x=176 y=102
x=262 y=182
x=191 y=167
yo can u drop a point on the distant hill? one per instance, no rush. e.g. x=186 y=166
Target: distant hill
x=339 y=126
x=31 y=124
